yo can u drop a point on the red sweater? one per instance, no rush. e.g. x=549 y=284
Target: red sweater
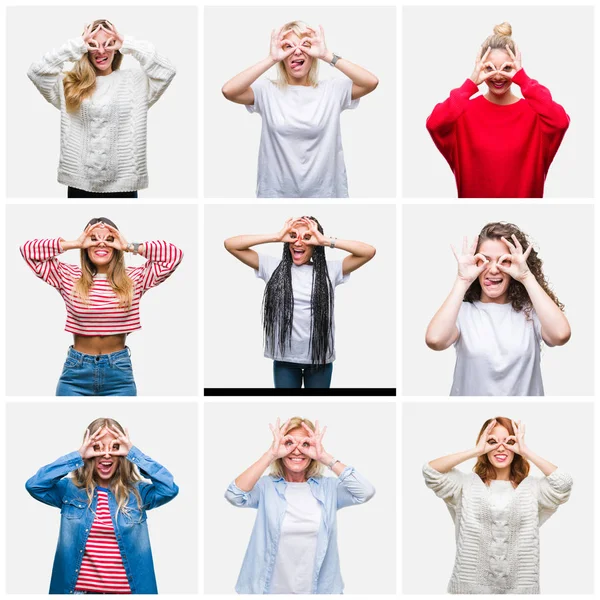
x=499 y=151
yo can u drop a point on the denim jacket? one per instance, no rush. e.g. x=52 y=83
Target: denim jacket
x=51 y=486
x=268 y=497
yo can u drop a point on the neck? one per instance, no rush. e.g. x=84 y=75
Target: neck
x=102 y=270
x=502 y=474
x=304 y=81
x=100 y=73
x=504 y=100
x=295 y=477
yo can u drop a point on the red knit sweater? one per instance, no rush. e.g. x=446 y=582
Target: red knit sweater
x=499 y=151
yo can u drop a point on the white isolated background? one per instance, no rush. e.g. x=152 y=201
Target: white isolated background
x=439 y=54
x=365 y=306
x=359 y=434
x=236 y=38
x=564 y=237
x=33 y=125
x=39 y=433
x=164 y=352
x=559 y=432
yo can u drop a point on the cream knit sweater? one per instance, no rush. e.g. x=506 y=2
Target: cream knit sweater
x=103 y=144
x=468 y=500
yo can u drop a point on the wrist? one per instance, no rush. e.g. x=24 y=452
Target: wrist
x=271 y=62
x=327 y=56
x=527 y=278
x=325 y=459
x=269 y=458
x=463 y=284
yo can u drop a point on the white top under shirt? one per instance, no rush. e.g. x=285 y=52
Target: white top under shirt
x=498 y=351
x=501 y=494
x=299 y=350
x=295 y=562
x=301 y=154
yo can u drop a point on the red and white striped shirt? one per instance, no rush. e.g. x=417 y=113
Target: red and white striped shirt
x=102 y=567
x=102 y=315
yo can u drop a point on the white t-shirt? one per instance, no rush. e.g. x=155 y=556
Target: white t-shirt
x=301 y=154
x=295 y=562
x=299 y=351
x=498 y=352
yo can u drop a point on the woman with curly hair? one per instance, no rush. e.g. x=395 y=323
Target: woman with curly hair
x=103 y=543
x=499 y=311
x=498 y=509
x=104 y=110
x=298 y=303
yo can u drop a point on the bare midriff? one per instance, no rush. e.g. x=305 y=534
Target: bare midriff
x=99 y=344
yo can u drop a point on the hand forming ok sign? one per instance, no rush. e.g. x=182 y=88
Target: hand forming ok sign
x=314 y=449
x=279 y=45
x=484 y=69
x=470 y=265
x=517 y=260
x=282 y=444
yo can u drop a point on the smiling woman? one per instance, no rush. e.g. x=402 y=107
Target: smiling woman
x=300 y=153
x=102 y=300
x=103 y=544
x=500 y=310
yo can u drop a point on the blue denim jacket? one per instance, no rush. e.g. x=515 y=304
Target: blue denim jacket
x=268 y=496
x=51 y=486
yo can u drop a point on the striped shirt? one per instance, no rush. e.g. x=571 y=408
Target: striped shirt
x=102 y=565
x=102 y=315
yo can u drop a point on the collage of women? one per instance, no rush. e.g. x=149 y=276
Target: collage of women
x=413 y=185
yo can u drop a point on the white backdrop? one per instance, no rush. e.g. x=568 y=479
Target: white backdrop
x=559 y=432
x=39 y=433
x=164 y=352
x=365 y=309
x=364 y=35
x=439 y=54
x=564 y=237
x=359 y=434
x=33 y=125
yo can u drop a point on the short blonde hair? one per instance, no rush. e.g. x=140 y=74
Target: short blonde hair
x=501 y=38
x=300 y=29
x=314 y=468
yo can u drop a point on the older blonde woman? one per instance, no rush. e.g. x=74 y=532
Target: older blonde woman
x=293 y=546
x=300 y=153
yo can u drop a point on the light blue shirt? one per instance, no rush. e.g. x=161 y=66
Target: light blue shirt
x=268 y=497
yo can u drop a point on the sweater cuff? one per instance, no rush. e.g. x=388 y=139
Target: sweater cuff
x=521 y=78
x=128 y=45
x=560 y=480
x=469 y=87
x=346 y=472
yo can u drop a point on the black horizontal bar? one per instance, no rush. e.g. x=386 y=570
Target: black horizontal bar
x=299 y=392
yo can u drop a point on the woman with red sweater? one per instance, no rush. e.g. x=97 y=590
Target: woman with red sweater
x=499 y=145
x=102 y=300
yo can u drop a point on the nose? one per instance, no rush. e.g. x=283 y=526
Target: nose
x=298 y=51
x=493 y=268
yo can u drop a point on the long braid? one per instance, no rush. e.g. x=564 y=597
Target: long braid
x=321 y=307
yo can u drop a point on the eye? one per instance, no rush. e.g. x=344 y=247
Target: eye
x=306 y=445
x=492 y=441
x=488 y=69
x=293 y=235
x=96 y=447
x=288 y=443
x=307 y=236
x=508 y=68
x=110 y=238
x=94 y=238
x=306 y=44
x=286 y=46
x=510 y=443
x=116 y=446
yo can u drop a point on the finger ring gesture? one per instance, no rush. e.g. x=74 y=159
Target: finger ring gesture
x=312 y=445
x=484 y=69
x=515 y=263
x=470 y=265
x=282 y=444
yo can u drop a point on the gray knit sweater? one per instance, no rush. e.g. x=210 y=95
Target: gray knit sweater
x=467 y=499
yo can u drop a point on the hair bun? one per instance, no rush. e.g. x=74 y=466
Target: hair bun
x=503 y=29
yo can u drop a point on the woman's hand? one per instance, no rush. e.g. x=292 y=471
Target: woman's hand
x=316 y=237
x=518 y=439
x=122 y=444
x=278 y=52
x=288 y=233
x=85 y=239
x=314 y=439
x=92 y=446
x=482 y=445
x=118 y=240
x=470 y=265
x=518 y=269
x=115 y=42
x=318 y=47
x=483 y=70
x=88 y=38
x=511 y=67
x=282 y=444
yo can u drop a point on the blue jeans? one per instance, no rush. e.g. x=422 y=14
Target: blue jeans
x=290 y=375
x=100 y=375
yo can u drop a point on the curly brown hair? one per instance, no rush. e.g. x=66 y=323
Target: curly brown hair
x=517 y=294
x=519 y=467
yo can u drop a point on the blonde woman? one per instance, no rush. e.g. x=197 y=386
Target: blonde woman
x=300 y=153
x=103 y=544
x=102 y=300
x=498 y=509
x=293 y=546
x=103 y=109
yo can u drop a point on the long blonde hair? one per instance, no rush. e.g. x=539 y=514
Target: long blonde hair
x=501 y=38
x=299 y=28
x=117 y=277
x=122 y=483
x=80 y=82
x=314 y=468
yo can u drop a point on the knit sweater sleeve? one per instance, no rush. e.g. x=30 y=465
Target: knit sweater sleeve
x=46 y=74
x=554 y=121
x=447 y=486
x=158 y=70
x=41 y=257
x=551 y=492
x=162 y=259
x=441 y=123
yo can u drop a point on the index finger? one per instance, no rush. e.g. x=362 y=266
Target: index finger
x=487 y=52
x=517 y=242
x=510 y=52
x=310 y=431
x=509 y=244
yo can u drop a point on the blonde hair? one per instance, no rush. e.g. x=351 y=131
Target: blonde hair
x=117 y=277
x=123 y=481
x=283 y=79
x=80 y=82
x=314 y=468
x=501 y=38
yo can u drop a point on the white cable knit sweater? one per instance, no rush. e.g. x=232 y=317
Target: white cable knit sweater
x=479 y=535
x=103 y=144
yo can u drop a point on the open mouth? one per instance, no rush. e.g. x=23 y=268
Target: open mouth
x=498 y=84
x=105 y=467
x=297 y=63
x=101 y=253
x=492 y=281
x=501 y=457
x=296 y=459
x=101 y=60
x=298 y=252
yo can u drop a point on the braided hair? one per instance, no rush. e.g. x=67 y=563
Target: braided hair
x=278 y=306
